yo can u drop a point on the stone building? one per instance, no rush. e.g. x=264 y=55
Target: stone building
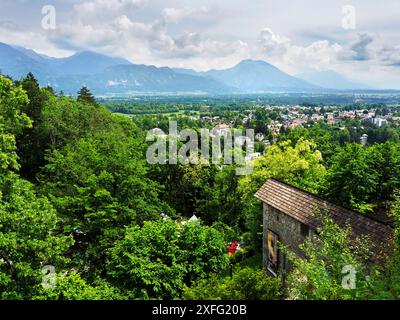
x=289 y=218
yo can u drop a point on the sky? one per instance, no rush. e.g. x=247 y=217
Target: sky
x=357 y=38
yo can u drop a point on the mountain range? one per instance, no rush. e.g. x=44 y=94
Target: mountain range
x=331 y=80
x=254 y=76
x=106 y=75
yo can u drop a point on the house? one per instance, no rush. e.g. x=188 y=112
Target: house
x=396 y=120
x=221 y=130
x=316 y=118
x=275 y=128
x=289 y=217
x=330 y=116
x=191 y=220
x=347 y=114
x=379 y=122
x=297 y=122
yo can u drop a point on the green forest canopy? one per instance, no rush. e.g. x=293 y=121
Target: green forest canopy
x=77 y=194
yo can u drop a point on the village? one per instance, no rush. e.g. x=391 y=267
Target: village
x=296 y=115
x=271 y=121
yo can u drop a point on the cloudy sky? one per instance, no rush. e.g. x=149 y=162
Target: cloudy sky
x=358 y=38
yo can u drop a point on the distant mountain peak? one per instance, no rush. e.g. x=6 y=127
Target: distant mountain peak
x=256 y=64
x=95 y=55
x=252 y=61
x=257 y=76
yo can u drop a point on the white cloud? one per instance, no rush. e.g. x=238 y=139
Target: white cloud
x=176 y=15
x=390 y=55
x=96 y=10
x=13 y=35
x=273 y=44
x=278 y=49
x=145 y=42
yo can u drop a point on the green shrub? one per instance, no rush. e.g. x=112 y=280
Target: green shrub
x=247 y=284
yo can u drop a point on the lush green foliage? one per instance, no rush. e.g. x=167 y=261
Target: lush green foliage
x=246 y=284
x=73 y=287
x=161 y=257
x=28 y=239
x=320 y=275
x=77 y=193
x=99 y=194
x=362 y=178
x=386 y=281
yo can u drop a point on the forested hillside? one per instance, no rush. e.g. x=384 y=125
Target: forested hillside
x=77 y=194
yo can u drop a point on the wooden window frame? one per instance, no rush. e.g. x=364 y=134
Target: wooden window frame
x=272 y=242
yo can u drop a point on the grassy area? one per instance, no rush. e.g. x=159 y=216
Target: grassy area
x=254 y=262
x=124 y=114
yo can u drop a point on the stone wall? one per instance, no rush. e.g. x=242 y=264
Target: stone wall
x=288 y=229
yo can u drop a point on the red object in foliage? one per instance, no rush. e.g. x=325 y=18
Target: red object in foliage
x=232 y=247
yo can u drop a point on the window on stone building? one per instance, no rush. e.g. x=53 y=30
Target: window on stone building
x=304 y=230
x=272 y=251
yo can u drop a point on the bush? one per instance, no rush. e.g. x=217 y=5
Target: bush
x=247 y=284
x=73 y=287
x=158 y=259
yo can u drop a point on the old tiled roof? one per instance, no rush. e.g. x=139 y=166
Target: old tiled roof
x=302 y=205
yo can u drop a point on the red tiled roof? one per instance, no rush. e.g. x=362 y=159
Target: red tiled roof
x=302 y=205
